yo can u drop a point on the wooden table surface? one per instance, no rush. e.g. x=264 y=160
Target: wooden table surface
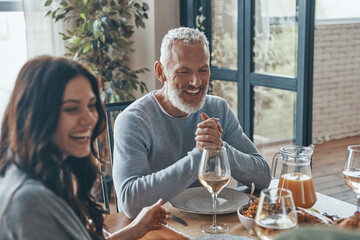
x=118 y=220
x=174 y=230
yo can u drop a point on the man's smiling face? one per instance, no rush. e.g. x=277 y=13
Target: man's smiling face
x=187 y=73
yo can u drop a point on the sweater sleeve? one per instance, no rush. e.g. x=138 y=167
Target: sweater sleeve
x=136 y=184
x=247 y=164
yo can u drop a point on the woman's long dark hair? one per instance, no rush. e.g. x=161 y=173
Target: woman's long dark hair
x=30 y=121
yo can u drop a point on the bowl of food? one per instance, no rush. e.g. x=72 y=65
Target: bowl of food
x=246 y=214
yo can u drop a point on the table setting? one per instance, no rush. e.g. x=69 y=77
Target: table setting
x=216 y=212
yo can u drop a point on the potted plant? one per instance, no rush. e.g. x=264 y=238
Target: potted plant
x=101 y=39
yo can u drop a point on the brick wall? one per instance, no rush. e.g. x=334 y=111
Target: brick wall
x=336 y=86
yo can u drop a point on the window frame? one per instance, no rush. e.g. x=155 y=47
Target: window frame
x=247 y=79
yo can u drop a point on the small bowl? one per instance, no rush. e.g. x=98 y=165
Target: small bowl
x=247 y=222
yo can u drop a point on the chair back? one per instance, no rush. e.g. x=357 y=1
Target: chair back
x=106 y=148
x=112 y=110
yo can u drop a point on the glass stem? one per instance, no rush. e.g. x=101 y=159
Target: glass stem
x=358 y=202
x=214 y=197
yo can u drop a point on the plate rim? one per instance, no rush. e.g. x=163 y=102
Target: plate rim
x=227 y=236
x=207 y=213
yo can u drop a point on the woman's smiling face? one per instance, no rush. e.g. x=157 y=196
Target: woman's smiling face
x=78 y=118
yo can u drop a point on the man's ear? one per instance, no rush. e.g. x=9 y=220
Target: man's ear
x=159 y=72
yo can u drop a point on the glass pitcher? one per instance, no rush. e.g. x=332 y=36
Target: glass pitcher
x=296 y=174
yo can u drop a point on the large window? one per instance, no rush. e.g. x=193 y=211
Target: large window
x=261 y=62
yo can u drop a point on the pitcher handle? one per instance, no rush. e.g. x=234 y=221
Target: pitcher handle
x=274 y=164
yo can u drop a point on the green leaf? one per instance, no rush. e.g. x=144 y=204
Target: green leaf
x=102 y=38
x=75 y=40
x=48 y=13
x=76 y=56
x=83 y=16
x=83 y=27
x=142 y=24
x=123 y=20
x=137 y=14
x=87 y=47
x=137 y=5
x=96 y=26
x=73 y=49
x=47 y=3
x=85 y=2
x=145 y=6
x=97 y=34
x=90 y=24
x=64 y=4
x=105 y=9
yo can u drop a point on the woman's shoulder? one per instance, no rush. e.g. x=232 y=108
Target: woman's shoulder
x=33 y=206
x=32 y=197
x=32 y=192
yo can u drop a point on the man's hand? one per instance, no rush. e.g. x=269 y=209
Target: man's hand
x=208 y=133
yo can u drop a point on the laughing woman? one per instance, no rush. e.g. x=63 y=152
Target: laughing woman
x=47 y=157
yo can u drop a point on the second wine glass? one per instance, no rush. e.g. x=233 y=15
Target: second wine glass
x=351 y=171
x=276 y=213
x=214 y=175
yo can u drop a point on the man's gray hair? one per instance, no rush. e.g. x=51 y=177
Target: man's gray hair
x=185 y=34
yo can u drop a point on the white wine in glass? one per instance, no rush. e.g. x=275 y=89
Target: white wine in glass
x=276 y=213
x=351 y=171
x=214 y=175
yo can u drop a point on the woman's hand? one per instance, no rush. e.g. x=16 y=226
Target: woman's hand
x=150 y=218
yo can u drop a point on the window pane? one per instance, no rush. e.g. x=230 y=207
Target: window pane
x=333 y=9
x=224 y=34
x=13 y=53
x=274 y=119
x=226 y=90
x=275 y=42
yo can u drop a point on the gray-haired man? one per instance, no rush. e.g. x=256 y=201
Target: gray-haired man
x=160 y=137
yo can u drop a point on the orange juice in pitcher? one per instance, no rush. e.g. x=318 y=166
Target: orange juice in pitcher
x=302 y=187
x=296 y=174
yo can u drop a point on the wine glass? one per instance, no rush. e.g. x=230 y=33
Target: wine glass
x=214 y=175
x=276 y=213
x=351 y=171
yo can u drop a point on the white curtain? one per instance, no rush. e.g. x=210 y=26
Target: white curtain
x=42 y=33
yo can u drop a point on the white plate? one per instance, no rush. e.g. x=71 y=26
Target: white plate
x=198 y=200
x=223 y=237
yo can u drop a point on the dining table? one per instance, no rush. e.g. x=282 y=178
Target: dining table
x=175 y=230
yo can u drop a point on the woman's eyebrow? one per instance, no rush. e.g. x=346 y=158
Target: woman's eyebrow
x=70 y=101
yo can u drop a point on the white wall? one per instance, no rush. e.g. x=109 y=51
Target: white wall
x=336 y=92
x=163 y=15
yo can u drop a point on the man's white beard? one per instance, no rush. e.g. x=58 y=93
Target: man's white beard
x=174 y=96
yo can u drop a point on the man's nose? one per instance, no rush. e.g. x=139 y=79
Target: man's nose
x=196 y=80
